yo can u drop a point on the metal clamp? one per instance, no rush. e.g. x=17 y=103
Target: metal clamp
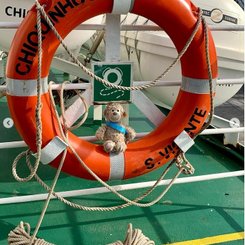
x=122 y=6
x=184 y=141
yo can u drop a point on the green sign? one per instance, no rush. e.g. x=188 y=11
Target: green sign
x=119 y=74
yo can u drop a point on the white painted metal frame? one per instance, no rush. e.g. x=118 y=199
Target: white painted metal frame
x=20 y=144
x=14 y=25
x=73 y=86
x=112 y=49
x=134 y=186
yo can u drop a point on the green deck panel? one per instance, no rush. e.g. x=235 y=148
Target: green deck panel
x=188 y=211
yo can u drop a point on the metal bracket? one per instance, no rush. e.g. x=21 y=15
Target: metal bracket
x=184 y=141
x=122 y=6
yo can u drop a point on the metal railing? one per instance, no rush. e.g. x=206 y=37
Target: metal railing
x=12 y=25
x=136 y=83
x=134 y=186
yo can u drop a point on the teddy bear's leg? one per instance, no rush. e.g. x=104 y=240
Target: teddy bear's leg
x=120 y=146
x=109 y=145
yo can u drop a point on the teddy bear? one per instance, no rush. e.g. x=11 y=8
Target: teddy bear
x=113 y=133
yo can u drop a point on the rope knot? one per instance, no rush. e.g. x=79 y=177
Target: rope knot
x=21 y=236
x=183 y=164
x=134 y=237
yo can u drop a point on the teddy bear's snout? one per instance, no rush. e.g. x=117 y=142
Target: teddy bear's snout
x=115 y=116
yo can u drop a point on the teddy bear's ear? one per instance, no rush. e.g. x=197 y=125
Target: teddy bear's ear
x=124 y=114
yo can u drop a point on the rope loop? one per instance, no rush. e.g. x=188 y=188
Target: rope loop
x=21 y=236
x=62 y=106
x=134 y=237
x=210 y=77
x=25 y=154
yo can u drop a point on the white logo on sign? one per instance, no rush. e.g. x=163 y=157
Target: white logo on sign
x=107 y=91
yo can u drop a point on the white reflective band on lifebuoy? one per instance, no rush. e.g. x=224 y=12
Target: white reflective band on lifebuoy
x=122 y=6
x=24 y=88
x=117 y=166
x=184 y=141
x=197 y=86
x=52 y=150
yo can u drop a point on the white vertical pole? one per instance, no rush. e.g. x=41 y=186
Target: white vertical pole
x=112 y=38
x=112 y=47
x=112 y=52
x=1 y=67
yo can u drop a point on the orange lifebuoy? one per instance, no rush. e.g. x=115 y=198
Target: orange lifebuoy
x=177 y=18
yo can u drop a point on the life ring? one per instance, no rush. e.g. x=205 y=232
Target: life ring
x=152 y=151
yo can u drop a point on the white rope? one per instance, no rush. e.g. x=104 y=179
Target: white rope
x=113 y=208
x=49 y=195
x=62 y=106
x=134 y=237
x=21 y=236
x=210 y=77
x=38 y=112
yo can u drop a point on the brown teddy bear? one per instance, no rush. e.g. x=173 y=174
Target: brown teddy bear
x=114 y=134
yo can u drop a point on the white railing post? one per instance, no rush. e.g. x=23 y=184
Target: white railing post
x=112 y=52
x=112 y=49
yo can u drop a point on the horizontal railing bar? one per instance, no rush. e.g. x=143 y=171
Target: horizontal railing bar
x=134 y=186
x=72 y=86
x=226 y=27
x=9 y=25
x=178 y=83
x=230 y=81
x=223 y=131
x=12 y=25
x=19 y=144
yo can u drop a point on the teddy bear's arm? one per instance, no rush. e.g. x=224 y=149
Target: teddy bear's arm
x=100 y=132
x=130 y=135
